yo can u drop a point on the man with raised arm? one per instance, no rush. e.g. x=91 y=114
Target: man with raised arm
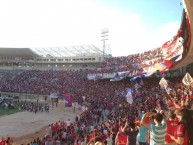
x=157 y=128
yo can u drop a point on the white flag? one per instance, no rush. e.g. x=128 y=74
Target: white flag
x=163 y=83
x=187 y=80
x=129 y=96
x=168 y=90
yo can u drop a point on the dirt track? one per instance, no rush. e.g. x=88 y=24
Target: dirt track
x=26 y=126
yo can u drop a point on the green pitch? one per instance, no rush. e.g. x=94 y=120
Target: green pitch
x=8 y=111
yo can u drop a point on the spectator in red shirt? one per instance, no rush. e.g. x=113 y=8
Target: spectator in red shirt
x=184 y=131
x=171 y=124
x=2 y=141
x=121 y=139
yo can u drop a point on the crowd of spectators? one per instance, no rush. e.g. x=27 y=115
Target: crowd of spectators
x=108 y=116
x=6 y=141
x=34 y=107
x=136 y=61
x=7 y=104
x=44 y=82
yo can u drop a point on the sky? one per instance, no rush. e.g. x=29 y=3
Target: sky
x=134 y=25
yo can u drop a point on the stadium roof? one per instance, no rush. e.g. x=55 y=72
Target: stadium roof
x=84 y=50
x=20 y=52
x=70 y=51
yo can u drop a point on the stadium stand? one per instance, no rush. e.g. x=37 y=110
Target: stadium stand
x=115 y=112
x=107 y=111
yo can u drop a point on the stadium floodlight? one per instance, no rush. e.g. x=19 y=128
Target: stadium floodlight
x=105 y=30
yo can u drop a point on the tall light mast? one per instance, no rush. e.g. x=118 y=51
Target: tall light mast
x=104 y=35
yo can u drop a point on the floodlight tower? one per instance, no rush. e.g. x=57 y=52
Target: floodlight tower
x=104 y=35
